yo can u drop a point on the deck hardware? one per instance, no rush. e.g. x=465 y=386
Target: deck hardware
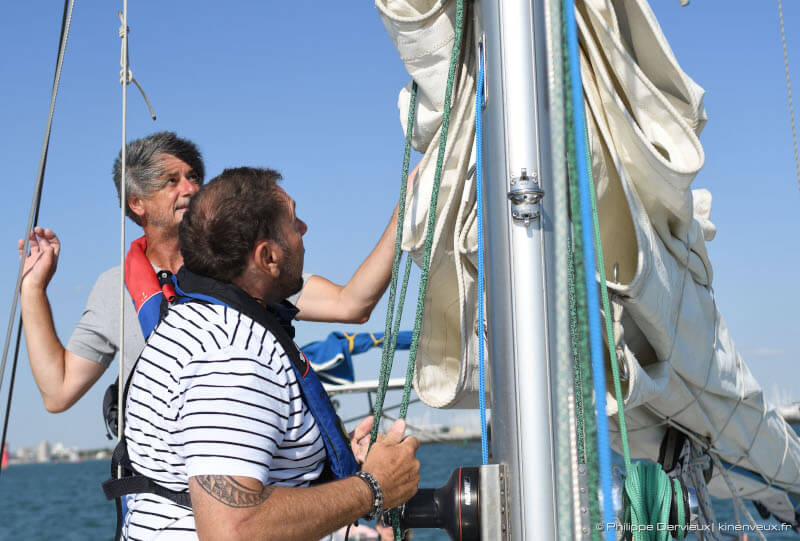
x=524 y=195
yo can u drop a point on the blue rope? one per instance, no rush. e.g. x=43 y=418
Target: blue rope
x=479 y=197
x=593 y=304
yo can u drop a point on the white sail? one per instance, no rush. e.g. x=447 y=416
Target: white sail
x=423 y=33
x=683 y=367
x=644 y=116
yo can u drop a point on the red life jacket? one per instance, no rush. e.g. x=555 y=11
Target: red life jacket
x=147 y=289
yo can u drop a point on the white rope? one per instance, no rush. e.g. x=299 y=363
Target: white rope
x=124 y=80
x=736 y=499
x=789 y=92
x=696 y=462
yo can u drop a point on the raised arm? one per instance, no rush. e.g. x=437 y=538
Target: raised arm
x=322 y=300
x=230 y=507
x=62 y=376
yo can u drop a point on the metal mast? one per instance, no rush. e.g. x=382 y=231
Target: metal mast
x=518 y=229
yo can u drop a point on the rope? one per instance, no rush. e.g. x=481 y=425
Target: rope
x=389 y=345
x=789 y=92
x=593 y=308
x=566 y=456
x=736 y=499
x=479 y=211
x=387 y=352
x=437 y=179
x=387 y=360
x=648 y=496
x=586 y=427
x=123 y=34
x=612 y=351
x=33 y=215
x=586 y=432
x=680 y=533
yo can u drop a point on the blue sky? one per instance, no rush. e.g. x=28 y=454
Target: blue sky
x=310 y=88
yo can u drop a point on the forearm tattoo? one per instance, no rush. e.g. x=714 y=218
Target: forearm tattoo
x=227 y=490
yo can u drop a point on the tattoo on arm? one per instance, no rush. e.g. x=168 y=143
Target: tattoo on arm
x=225 y=489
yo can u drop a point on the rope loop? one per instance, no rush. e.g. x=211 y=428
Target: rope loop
x=655 y=507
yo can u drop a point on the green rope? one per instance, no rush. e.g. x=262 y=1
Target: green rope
x=389 y=345
x=648 y=497
x=612 y=350
x=387 y=359
x=576 y=359
x=579 y=323
x=648 y=489
x=437 y=179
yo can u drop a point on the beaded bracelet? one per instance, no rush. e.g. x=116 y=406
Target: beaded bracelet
x=377 y=495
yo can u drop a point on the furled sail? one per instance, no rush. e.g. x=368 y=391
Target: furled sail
x=644 y=114
x=423 y=32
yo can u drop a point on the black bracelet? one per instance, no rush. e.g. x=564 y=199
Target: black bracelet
x=377 y=495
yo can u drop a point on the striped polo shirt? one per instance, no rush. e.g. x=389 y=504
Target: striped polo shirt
x=213 y=393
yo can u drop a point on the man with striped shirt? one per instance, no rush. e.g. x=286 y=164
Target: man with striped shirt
x=215 y=407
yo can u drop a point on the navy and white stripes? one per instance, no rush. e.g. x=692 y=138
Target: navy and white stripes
x=213 y=394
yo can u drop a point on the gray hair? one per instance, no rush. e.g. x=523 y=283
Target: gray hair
x=143 y=168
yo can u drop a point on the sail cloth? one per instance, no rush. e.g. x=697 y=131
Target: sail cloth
x=644 y=116
x=423 y=32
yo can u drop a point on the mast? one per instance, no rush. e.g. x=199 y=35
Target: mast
x=516 y=173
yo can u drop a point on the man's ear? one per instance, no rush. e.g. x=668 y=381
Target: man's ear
x=265 y=256
x=136 y=204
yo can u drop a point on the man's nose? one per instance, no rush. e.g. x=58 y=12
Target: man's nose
x=303 y=227
x=188 y=187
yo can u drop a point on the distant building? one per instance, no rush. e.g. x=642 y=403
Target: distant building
x=43 y=453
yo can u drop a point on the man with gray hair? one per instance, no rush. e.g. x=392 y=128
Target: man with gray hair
x=163 y=172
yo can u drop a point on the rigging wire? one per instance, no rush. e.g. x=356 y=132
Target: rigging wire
x=789 y=93
x=125 y=77
x=33 y=216
x=11 y=389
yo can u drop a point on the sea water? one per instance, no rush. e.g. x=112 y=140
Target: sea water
x=65 y=501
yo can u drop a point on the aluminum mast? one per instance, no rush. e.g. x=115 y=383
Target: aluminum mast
x=518 y=229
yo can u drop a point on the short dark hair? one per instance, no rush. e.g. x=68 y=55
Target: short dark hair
x=143 y=168
x=227 y=217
